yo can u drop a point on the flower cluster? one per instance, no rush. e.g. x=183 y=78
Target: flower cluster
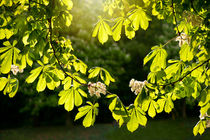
x=183 y=38
x=96 y=88
x=137 y=86
x=15 y=69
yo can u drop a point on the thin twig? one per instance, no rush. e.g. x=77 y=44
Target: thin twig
x=170 y=41
x=172 y=83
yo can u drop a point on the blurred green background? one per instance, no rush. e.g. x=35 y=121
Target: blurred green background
x=37 y=116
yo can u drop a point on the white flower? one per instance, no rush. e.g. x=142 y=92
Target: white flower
x=183 y=38
x=137 y=86
x=131 y=82
x=203 y=116
x=96 y=89
x=15 y=69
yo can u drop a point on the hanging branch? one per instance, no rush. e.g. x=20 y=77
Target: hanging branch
x=60 y=64
x=54 y=52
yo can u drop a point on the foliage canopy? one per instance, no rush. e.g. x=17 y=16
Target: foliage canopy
x=30 y=31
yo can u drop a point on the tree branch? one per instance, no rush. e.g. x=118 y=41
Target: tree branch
x=60 y=64
x=172 y=83
x=54 y=52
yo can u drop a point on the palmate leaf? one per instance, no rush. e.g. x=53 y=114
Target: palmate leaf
x=9 y=86
x=41 y=85
x=70 y=98
x=165 y=103
x=34 y=74
x=137 y=118
x=3 y=82
x=199 y=74
x=25 y=58
x=150 y=105
x=159 y=62
x=103 y=30
x=80 y=66
x=186 y=53
x=5 y=33
x=9 y=56
x=104 y=74
x=49 y=77
x=174 y=68
x=199 y=128
x=90 y=111
x=117 y=28
x=139 y=18
x=118 y=110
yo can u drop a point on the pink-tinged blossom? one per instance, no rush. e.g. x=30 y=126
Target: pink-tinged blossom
x=96 y=89
x=137 y=86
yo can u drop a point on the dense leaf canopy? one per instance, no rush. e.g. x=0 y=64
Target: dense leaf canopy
x=30 y=32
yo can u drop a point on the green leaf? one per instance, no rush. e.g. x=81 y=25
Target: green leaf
x=11 y=87
x=199 y=128
x=82 y=113
x=159 y=61
x=78 y=98
x=103 y=30
x=67 y=83
x=8 y=33
x=145 y=103
x=173 y=69
x=3 y=82
x=69 y=103
x=34 y=74
x=82 y=93
x=70 y=98
x=2 y=34
x=117 y=29
x=94 y=72
x=108 y=77
x=142 y=119
x=129 y=30
x=41 y=85
x=149 y=56
x=87 y=122
x=161 y=103
x=139 y=18
x=197 y=89
x=7 y=57
x=132 y=124
x=169 y=105
x=14 y=84
x=113 y=104
x=67 y=3
x=151 y=111
x=186 y=53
